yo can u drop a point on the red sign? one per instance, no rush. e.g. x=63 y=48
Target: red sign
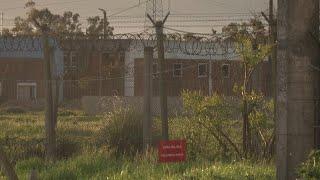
x=172 y=151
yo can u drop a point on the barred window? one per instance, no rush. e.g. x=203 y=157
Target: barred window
x=177 y=70
x=26 y=91
x=225 y=70
x=155 y=71
x=202 y=70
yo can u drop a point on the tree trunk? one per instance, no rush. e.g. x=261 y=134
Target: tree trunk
x=245 y=127
x=56 y=90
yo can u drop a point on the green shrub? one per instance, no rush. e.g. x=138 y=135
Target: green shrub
x=311 y=168
x=123 y=131
x=211 y=127
x=66 y=113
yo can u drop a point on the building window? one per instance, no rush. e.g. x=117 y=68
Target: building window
x=66 y=60
x=202 y=70
x=26 y=91
x=177 y=70
x=70 y=60
x=225 y=70
x=155 y=71
x=106 y=59
x=73 y=60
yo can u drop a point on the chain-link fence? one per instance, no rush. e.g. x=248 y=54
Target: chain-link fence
x=98 y=101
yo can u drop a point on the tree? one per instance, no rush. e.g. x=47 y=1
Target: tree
x=21 y=26
x=6 y=32
x=66 y=24
x=95 y=27
x=252 y=55
x=251 y=40
x=254 y=29
x=69 y=23
x=39 y=20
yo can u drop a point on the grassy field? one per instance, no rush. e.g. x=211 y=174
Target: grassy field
x=22 y=136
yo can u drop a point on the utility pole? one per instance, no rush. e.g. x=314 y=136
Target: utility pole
x=210 y=77
x=104 y=22
x=297 y=83
x=101 y=54
x=272 y=41
x=147 y=122
x=162 y=82
x=272 y=60
x=2 y=23
x=273 y=57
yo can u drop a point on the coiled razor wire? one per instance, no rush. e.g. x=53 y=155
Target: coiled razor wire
x=200 y=45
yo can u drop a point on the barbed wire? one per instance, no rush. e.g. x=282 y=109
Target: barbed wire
x=199 y=44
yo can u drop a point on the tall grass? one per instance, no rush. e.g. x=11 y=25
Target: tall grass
x=101 y=166
x=22 y=136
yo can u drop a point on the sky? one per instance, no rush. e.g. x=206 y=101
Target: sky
x=210 y=13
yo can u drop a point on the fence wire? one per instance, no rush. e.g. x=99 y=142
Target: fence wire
x=98 y=92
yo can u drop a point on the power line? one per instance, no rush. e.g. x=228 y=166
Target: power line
x=127 y=9
x=187 y=32
x=42 y=5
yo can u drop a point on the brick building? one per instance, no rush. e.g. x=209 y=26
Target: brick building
x=219 y=76
x=22 y=69
x=115 y=67
x=208 y=74
x=94 y=68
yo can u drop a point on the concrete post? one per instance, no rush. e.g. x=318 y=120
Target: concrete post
x=50 y=121
x=147 y=122
x=210 y=78
x=100 y=74
x=298 y=22
x=162 y=81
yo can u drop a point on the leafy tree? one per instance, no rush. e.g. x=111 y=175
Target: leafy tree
x=96 y=27
x=6 y=32
x=191 y=37
x=251 y=44
x=21 y=26
x=254 y=30
x=40 y=20
x=68 y=23
x=252 y=55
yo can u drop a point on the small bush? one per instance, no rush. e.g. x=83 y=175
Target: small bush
x=66 y=113
x=211 y=127
x=66 y=148
x=311 y=168
x=123 y=131
x=15 y=110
